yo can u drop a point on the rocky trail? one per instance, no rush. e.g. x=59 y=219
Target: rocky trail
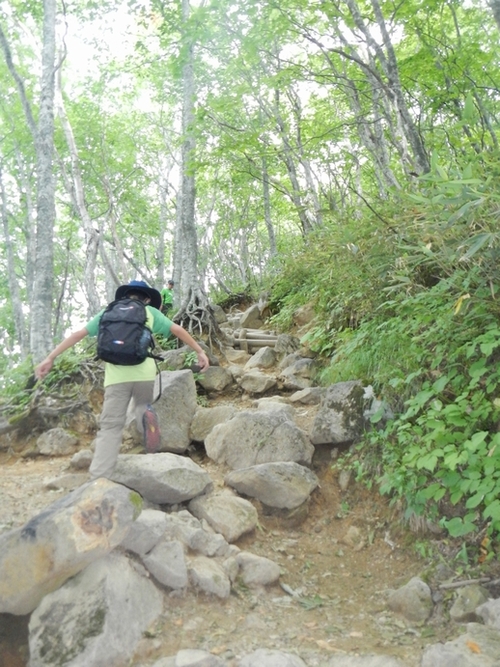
x=339 y=558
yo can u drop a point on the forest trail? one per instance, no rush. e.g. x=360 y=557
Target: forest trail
x=337 y=565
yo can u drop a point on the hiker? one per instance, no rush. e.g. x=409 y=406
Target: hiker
x=167 y=297
x=124 y=383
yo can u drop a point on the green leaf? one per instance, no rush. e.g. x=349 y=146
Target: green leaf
x=474 y=501
x=440 y=384
x=469 y=108
x=477 y=242
x=458 y=527
x=493 y=511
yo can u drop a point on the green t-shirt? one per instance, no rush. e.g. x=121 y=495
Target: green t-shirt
x=167 y=296
x=145 y=372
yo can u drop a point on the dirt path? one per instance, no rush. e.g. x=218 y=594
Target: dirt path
x=336 y=568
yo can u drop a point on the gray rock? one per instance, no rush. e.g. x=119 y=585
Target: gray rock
x=251 y=318
x=308 y=396
x=215 y=378
x=272 y=406
x=237 y=372
x=210 y=577
x=197 y=535
x=97 y=618
x=252 y=437
x=67 y=536
x=68 y=482
x=490 y=613
x=162 y=478
x=256 y=382
x=289 y=359
x=206 y=418
x=301 y=367
x=269 y=400
x=340 y=416
x=236 y=356
x=457 y=653
x=286 y=344
x=364 y=661
x=265 y=357
x=219 y=314
x=227 y=514
x=146 y=532
x=56 y=442
x=413 y=601
x=167 y=564
x=231 y=568
x=463 y=609
x=281 y=485
x=264 y=657
x=297 y=372
x=257 y=570
x=197 y=658
x=178 y=389
x=81 y=460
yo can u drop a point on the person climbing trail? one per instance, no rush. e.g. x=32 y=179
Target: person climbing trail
x=126 y=380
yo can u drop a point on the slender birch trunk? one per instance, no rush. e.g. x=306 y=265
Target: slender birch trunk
x=78 y=196
x=13 y=282
x=41 y=304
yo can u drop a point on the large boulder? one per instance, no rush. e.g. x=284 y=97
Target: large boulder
x=215 y=378
x=413 y=601
x=251 y=318
x=340 y=416
x=228 y=514
x=478 y=647
x=56 y=442
x=206 y=418
x=258 y=437
x=256 y=382
x=175 y=409
x=162 y=478
x=67 y=536
x=265 y=357
x=210 y=577
x=282 y=485
x=96 y=619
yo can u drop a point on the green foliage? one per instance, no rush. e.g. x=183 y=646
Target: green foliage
x=432 y=351
x=20 y=387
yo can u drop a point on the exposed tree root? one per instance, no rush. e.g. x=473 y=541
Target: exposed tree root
x=197 y=316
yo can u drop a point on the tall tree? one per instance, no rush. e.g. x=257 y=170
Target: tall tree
x=41 y=303
x=193 y=309
x=43 y=136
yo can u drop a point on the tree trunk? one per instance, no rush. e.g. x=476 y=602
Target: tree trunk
x=267 y=209
x=13 y=282
x=41 y=304
x=77 y=194
x=194 y=312
x=26 y=187
x=495 y=8
x=389 y=65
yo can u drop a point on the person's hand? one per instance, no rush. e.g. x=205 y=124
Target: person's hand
x=43 y=368
x=203 y=361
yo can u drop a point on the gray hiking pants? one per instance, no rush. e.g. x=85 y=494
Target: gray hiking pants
x=112 y=422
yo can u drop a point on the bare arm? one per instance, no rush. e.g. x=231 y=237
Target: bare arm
x=44 y=367
x=186 y=337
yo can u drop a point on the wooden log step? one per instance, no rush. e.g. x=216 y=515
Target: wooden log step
x=254 y=334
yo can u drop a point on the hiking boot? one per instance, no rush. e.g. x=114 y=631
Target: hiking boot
x=151 y=430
